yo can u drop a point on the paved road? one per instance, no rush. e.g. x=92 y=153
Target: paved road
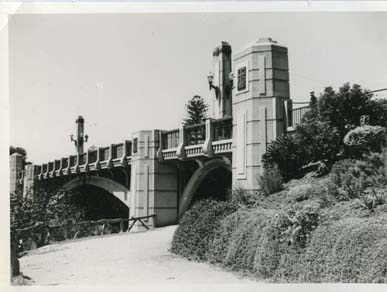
x=120 y=259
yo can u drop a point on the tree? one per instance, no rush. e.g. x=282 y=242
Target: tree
x=344 y=108
x=18 y=150
x=47 y=206
x=320 y=135
x=196 y=109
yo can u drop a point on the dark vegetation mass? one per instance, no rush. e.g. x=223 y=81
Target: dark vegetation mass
x=321 y=213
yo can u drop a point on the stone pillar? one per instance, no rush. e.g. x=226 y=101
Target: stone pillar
x=154 y=186
x=222 y=70
x=16 y=166
x=28 y=180
x=261 y=86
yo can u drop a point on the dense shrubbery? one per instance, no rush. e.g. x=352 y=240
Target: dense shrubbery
x=348 y=250
x=43 y=208
x=320 y=135
x=270 y=181
x=319 y=229
x=366 y=139
x=354 y=177
x=285 y=154
x=196 y=228
x=330 y=229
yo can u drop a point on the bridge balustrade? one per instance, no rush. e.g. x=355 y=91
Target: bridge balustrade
x=195 y=139
x=73 y=160
x=92 y=156
x=91 y=160
x=65 y=162
x=105 y=153
x=57 y=165
x=171 y=139
x=82 y=159
x=195 y=134
x=222 y=129
x=50 y=166
x=117 y=150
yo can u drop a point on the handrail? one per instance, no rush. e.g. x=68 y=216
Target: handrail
x=194 y=126
x=75 y=229
x=114 y=220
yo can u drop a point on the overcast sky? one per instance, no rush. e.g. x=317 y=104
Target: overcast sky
x=127 y=72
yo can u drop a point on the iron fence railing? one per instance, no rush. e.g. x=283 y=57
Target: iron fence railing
x=222 y=129
x=195 y=134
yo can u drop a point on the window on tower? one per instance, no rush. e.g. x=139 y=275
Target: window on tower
x=242 y=79
x=134 y=145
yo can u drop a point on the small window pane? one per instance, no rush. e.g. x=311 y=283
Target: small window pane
x=242 y=78
x=135 y=145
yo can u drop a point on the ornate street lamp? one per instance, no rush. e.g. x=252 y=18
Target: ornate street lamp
x=210 y=79
x=81 y=139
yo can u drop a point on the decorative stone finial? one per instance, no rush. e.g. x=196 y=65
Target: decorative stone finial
x=223 y=48
x=266 y=40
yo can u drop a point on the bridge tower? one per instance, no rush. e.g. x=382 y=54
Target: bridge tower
x=261 y=88
x=16 y=167
x=154 y=185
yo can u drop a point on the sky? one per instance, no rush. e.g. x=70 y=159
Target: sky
x=128 y=72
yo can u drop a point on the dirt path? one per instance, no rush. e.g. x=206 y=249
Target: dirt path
x=134 y=258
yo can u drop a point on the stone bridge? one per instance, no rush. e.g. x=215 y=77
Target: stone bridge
x=162 y=172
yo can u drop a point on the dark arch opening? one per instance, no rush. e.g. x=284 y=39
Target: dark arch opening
x=98 y=203
x=216 y=185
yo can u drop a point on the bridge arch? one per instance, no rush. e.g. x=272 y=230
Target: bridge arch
x=197 y=179
x=109 y=185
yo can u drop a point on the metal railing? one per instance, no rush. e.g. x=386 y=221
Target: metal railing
x=297 y=114
x=32 y=236
x=171 y=139
x=195 y=134
x=209 y=138
x=222 y=129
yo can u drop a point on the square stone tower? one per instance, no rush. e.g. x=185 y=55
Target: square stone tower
x=16 y=166
x=261 y=87
x=154 y=185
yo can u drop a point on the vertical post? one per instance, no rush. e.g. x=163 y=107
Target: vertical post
x=180 y=152
x=207 y=146
x=121 y=225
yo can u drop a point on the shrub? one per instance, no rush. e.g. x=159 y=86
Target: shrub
x=243 y=197
x=318 y=141
x=270 y=181
x=285 y=154
x=258 y=240
x=366 y=139
x=248 y=241
x=320 y=135
x=344 y=107
x=352 y=177
x=342 y=252
x=196 y=228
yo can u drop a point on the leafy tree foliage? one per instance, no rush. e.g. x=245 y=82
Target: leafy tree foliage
x=19 y=150
x=47 y=206
x=196 y=109
x=320 y=135
x=344 y=108
x=286 y=154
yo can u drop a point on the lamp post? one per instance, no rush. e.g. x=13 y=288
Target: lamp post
x=81 y=138
x=210 y=79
